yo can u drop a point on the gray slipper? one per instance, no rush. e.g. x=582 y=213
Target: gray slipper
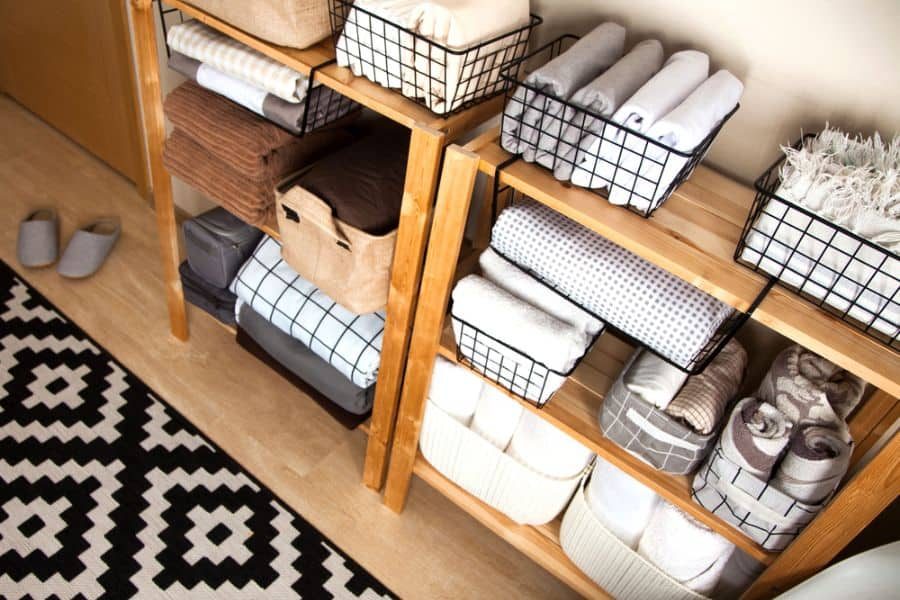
x=89 y=247
x=38 y=243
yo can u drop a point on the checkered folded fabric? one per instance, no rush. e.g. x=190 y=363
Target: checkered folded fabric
x=767 y=515
x=205 y=44
x=349 y=342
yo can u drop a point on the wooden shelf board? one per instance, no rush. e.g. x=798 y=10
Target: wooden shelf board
x=541 y=544
x=694 y=235
x=575 y=409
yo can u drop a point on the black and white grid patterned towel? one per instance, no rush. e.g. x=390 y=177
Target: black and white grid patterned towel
x=624 y=290
x=349 y=342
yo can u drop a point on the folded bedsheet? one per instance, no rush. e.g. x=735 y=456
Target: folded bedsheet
x=625 y=291
x=349 y=342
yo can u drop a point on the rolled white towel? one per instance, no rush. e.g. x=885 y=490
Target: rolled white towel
x=455 y=389
x=496 y=416
x=652 y=379
x=685 y=549
x=528 y=329
x=523 y=286
x=740 y=571
x=621 y=503
x=545 y=449
x=815 y=463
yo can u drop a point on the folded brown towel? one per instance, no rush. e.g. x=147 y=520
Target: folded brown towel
x=251 y=201
x=248 y=143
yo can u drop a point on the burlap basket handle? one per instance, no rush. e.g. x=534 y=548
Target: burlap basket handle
x=318 y=212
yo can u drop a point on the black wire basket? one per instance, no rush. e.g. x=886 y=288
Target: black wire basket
x=588 y=149
x=444 y=80
x=842 y=273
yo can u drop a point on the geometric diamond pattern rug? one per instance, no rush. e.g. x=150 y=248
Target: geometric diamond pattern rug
x=107 y=492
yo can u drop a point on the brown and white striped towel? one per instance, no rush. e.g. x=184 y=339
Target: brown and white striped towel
x=755 y=437
x=814 y=465
x=704 y=397
x=205 y=44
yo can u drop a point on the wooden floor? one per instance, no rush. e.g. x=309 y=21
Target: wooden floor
x=433 y=550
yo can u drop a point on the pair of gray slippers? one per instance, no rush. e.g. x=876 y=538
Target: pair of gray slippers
x=38 y=244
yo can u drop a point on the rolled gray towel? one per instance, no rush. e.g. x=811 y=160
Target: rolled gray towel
x=604 y=95
x=561 y=77
x=755 y=436
x=814 y=465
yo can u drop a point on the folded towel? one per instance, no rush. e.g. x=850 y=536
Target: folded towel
x=523 y=286
x=496 y=416
x=755 y=437
x=817 y=460
x=205 y=44
x=685 y=549
x=544 y=448
x=621 y=503
x=559 y=78
x=740 y=572
x=455 y=390
x=604 y=95
x=704 y=397
x=654 y=380
x=529 y=330
x=809 y=389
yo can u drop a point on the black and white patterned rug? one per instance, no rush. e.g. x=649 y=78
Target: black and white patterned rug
x=107 y=492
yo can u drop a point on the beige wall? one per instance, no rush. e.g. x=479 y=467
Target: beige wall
x=803 y=62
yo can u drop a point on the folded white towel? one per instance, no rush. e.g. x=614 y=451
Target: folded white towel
x=496 y=416
x=529 y=330
x=686 y=549
x=540 y=446
x=523 y=286
x=621 y=503
x=816 y=461
x=654 y=380
x=455 y=389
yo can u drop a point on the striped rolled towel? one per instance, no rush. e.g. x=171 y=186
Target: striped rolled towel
x=755 y=437
x=814 y=465
x=704 y=397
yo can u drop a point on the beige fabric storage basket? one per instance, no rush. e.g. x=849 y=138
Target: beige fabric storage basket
x=489 y=474
x=351 y=266
x=294 y=23
x=615 y=567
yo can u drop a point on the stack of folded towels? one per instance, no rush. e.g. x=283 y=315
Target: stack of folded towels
x=673 y=102
x=377 y=42
x=232 y=155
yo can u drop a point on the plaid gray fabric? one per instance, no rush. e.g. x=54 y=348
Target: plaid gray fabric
x=642 y=429
x=205 y=44
x=350 y=343
x=767 y=515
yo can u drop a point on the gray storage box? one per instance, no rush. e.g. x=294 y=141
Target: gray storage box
x=217 y=245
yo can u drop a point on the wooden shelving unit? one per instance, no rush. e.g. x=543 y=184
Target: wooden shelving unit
x=430 y=135
x=692 y=236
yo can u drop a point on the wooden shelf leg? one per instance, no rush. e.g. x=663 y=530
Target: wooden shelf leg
x=868 y=493
x=422 y=171
x=144 y=27
x=451 y=212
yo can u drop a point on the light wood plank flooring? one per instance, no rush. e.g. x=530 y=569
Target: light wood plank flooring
x=433 y=550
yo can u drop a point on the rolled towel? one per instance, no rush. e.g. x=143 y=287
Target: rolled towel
x=817 y=460
x=560 y=78
x=604 y=95
x=544 y=448
x=810 y=389
x=755 y=436
x=518 y=324
x=455 y=389
x=621 y=503
x=685 y=549
x=654 y=380
x=523 y=286
x=740 y=571
x=702 y=401
x=496 y=416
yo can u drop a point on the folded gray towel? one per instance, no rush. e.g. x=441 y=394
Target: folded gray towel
x=814 y=465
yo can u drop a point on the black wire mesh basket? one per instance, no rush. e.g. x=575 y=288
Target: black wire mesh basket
x=444 y=80
x=588 y=149
x=846 y=275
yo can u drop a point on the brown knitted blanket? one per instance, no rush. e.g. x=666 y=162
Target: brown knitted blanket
x=246 y=142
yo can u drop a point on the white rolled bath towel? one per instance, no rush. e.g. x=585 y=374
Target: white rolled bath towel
x=520 y=284
x=740 y=571
x=496 y=416
x=654 y=380
x=621 y=503
x=455 y=389
x=544 y=448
